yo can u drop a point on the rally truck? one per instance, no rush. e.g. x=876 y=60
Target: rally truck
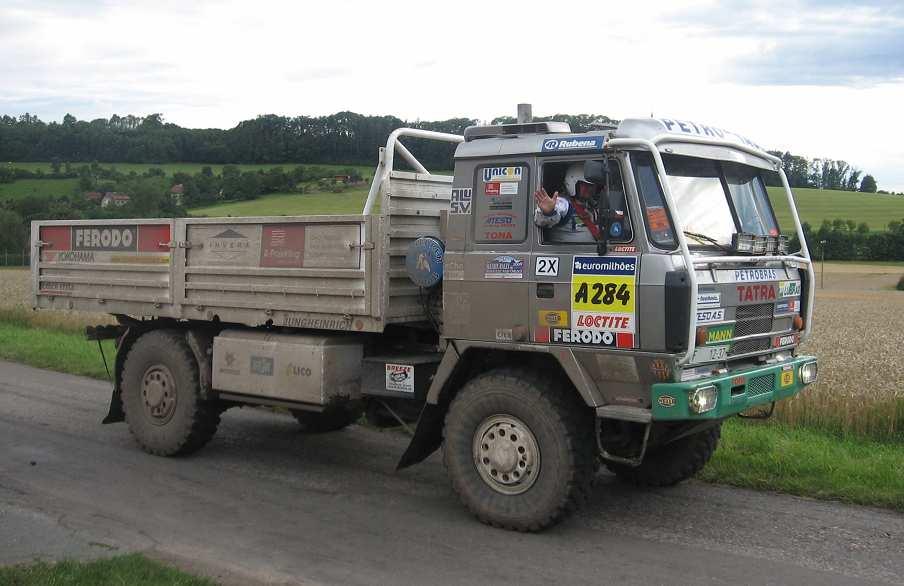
x=623 y=335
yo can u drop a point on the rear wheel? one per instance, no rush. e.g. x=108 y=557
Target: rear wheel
x=673 y=462
x=161 y=396
x=519 y=449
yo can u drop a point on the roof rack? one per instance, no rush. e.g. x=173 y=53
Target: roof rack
x=497 y=130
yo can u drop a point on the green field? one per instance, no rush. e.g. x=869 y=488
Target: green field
x=132 y=569
x=816 y=205
x=170 y=168
x=39 y=187
x=291 y=204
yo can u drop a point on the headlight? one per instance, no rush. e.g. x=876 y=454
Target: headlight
x=808 y=373
x=703 y=399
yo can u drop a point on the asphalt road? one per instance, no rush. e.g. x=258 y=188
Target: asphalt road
x=265 y=503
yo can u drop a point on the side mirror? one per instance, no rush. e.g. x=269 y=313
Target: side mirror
x=595 y=172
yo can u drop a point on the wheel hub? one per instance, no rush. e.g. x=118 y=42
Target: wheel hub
x=506 y=454
x=158 y=392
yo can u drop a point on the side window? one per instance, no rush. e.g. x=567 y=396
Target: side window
x=656 y=216
x=574 y=218
x=499 y=203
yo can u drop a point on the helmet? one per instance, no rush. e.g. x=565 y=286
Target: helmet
x=574 y=174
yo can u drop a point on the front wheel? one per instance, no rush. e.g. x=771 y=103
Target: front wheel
x=673 y=462
x=519 y=449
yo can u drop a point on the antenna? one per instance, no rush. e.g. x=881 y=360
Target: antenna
x=525 y=113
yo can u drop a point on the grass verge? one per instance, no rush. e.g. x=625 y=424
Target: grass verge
x=62 y=351
x=805 y=462
x=132 y=569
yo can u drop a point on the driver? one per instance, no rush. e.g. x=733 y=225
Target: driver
x=572 y=218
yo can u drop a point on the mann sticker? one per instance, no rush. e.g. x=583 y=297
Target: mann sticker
x=787 y=306
x=706 y=316
x=504 y=267
x=789 y=289
x=400 y=378
x=705 y=299
x=460 y=204
x=719 y=334
x=552 y=318
x=602 y=294
x=590 y=143
x=497 y=174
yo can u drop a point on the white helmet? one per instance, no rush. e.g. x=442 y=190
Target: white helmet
x=574 y=174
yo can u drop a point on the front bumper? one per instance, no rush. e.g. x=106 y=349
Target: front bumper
x=736 y=390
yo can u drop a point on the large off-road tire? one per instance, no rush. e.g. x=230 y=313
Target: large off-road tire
x=161 y=396
x=519 y=449
x=333 y=419
x=674 y=462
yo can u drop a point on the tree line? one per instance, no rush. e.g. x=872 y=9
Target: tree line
x=824 y=173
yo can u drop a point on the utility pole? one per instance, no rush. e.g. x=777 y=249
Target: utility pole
x=822 y=272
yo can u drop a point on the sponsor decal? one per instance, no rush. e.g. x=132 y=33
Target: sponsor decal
x=789 y=289
x=666 y=401
x=294 y=370
x=500 y=204
x=453 y=269
x=695 y=373
x=283 y=246
x=738 y=381
x=74 y=256
x=751 y=275
x=497 y=235
x=611 y=322
x=785 y=340
x=591 y=338
x=262 y=365
x=786 y=379
x=460 y=204
x=496 y=174
x=229 y=244
x=400 y=378
x=705 y=316
x=547 y=266
x=748 y=293
x=660 y=369
x=52 y=288
x=573 y=144
x=787 y=306
x=687 y=127
x=105 y=238
x=509 y=188
x=504 y=335
x=552 y=318
x=719 y=334
x=710 y=353
x=229 y=359
x=317 y=323
x=500 y=220
x=623 y=248
x=709 y=298
x=602 y=295
x=504 y=267
x=491 y=188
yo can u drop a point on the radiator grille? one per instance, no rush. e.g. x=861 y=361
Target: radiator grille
x=760 y=384
x=753 y=319
x=745 y=346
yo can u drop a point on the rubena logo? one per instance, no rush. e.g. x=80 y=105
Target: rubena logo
x=573 y=144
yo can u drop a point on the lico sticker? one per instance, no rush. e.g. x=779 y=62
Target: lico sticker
x=706 y=316
x=400 y=378
x=710 y=353
x=547 y=266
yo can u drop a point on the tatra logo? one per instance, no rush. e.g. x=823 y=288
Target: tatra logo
x=756 y=292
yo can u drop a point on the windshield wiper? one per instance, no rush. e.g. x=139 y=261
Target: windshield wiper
x=707 y=240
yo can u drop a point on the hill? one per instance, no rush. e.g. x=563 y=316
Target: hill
x=816 y=205
x=290 y=204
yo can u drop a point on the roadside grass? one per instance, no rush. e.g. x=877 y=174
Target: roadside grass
x=54 y=349
x=170 y=168
x=37 y=187
x=291 y=204
x=816 y=205
x=795 y=460
x=132 y=569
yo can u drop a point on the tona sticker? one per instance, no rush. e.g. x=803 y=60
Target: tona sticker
x=400 y=378
x=552 y=318
x=460 y=204
x=504 y=267
x=705 y=316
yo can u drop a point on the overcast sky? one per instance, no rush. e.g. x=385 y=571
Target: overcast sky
x=822 y=79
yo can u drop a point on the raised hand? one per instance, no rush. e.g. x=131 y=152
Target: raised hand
x=546 y=203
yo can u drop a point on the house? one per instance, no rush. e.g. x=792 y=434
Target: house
x=177 y=192
x=114 y=198
x=94 y=196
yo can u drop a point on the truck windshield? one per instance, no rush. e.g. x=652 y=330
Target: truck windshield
x=714 y=199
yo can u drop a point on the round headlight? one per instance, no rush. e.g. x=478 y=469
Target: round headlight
x=808 y=373
x=703 y=399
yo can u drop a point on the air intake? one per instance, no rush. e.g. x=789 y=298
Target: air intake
x=498 y=130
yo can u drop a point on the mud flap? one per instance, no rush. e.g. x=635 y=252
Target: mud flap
x=428 y=436
x=115 y=414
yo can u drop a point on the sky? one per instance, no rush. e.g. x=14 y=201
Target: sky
x=819 y=78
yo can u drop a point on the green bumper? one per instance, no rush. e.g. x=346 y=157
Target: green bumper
x=737 y=391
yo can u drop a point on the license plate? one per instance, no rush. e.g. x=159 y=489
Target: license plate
x=787 y=378
x=710 y=353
